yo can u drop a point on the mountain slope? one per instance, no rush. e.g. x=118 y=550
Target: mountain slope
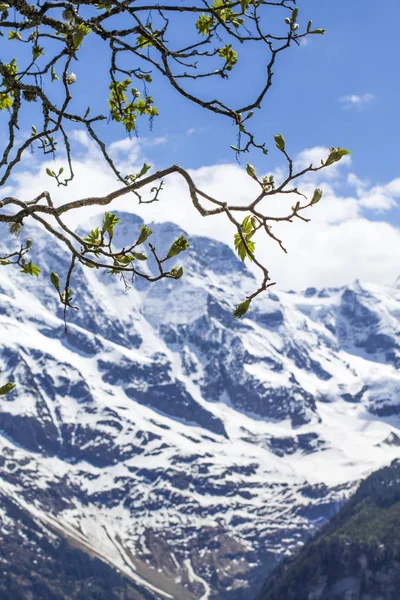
x=185 y=444
x=36 y=562
x=357 y=555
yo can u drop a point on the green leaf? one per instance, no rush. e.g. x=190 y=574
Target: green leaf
x=295 y=13
x=37 y=51
x=4 y=7
x=93 y=238
x=8 y=387
x=144 y=170
x=50 y=173
x=180 y=245
x=11 y=68
x=54 y=76
x=55 y=280
x=80 y=34
x=145 y=232
x=204 y=24
x=247 y=229
x=241 y=248
x=229 y=54
x=318 y=32
x=30 y=269
x=247 y=225
x=241 y=309
x=280 y=142
x=110 y=220
x=250 y=170
x=124 y=259
x=139 y=255
x=336 y=154
x=15 y=35
x=316 y=196
x=177 y=272
x=6 y=101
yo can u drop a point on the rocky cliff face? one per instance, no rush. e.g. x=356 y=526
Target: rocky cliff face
x=193 y=448
x=356 y=556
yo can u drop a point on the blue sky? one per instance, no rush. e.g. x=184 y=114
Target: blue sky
x=357 y=57
x=341 y=89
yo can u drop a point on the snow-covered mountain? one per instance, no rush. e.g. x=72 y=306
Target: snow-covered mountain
x=186 y=448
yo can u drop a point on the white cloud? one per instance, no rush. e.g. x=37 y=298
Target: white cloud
x=311 y=156
x=353 y=100
x=304 y=42
x=356 y=182
x=379 y=197
x=333 y=255
x=339 y=244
